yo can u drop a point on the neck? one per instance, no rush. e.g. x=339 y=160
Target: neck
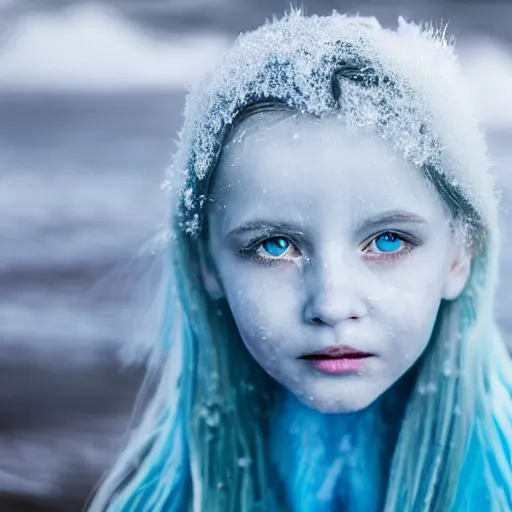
x=329 y=462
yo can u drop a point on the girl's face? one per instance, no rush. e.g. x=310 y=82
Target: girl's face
x=333 y=254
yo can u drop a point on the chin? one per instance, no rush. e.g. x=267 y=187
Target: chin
x=328 y=405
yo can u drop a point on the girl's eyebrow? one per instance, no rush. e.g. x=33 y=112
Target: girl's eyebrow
x=392 y=217
x=264 y=226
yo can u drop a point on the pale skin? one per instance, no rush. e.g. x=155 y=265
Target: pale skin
x=321 y=237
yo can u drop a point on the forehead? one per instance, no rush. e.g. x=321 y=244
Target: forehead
x=279 y=158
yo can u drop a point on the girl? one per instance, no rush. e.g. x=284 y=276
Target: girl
x=328 y=341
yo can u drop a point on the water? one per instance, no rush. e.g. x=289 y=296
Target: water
x=79 y=194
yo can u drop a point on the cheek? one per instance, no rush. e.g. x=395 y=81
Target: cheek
x=408 y=321
x=408 y=306
x=407 y=300
x=415 y=282
x=266 y=310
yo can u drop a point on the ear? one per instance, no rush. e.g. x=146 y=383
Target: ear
x=209 y=275
x=459 y=272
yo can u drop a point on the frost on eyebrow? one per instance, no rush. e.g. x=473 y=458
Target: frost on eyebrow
x=406 y=86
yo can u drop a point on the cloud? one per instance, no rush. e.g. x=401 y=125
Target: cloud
x=488 y=69
x=91 y=47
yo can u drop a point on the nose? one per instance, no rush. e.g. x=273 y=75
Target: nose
x=334 y=295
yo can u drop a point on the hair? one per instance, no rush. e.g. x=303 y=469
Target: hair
x=219 y=432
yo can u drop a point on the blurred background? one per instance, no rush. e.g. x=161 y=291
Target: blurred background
x=91 y=95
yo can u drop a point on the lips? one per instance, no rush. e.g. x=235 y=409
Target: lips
x=338 y=359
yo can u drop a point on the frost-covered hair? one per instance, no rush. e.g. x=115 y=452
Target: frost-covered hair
x=218 y=433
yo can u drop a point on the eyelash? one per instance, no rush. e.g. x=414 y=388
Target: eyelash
x=250 y=251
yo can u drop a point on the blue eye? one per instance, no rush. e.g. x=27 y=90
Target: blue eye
x=276 y=246
x=388 y=242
